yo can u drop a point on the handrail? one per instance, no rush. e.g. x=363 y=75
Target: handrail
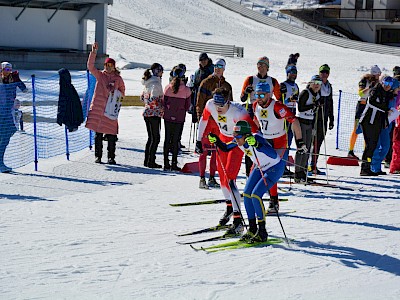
x=170 y=41
x=329 y=39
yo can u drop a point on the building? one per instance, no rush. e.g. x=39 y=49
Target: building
x=51 y=34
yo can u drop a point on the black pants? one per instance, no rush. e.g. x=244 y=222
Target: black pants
x=172 y=135
x=98 y=144
x=371 y=136
x=319 y=138
x=153 y=126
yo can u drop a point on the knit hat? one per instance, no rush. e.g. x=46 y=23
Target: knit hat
x=291 y=69
x=109 y=60
x=315 y=78
x=263 y=87
x=203 y=56
x=6 y=64
x=221 y=62
x=375 y=70
x=396 y=71
x=242 y=127
x=219 y=100
x=263 y=60
x=324 y=67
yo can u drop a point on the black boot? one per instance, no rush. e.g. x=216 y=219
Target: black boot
x=112 y=140
x=237 y=226
x=262 y=234
x=98 y=147
x=251 y=232
x=167 y=166
x=366 y=170
x=228 y=213
x=175 y=167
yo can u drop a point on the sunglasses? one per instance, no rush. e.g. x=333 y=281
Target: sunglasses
x=110 y=65
x=219 y=66
x=239 y=136
x=317 y=82
x=324 y=72
x=293 y=72
x=203 y=59
x=7 y=69
x=387 y=83
x=262 y=96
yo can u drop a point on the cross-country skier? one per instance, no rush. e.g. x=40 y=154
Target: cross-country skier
x=271 y=115
x=226 y=114
x=269 y=168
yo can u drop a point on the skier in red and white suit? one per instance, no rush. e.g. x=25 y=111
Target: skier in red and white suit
x=226 y=114
x=270 y=115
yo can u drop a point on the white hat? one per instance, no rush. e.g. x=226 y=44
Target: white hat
x=6 y=64
x=220 y=61
x=375 y=70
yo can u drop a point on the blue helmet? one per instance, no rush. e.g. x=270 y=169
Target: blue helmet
x=291 y=69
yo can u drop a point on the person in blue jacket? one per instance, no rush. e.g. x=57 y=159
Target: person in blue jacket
x=268 y=169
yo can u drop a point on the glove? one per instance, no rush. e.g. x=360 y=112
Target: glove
x=331 y=125
x=251 y=140
x=199 y=147
x=212 y=138
x=294 y=98
x=249 y=89
x=301 y=147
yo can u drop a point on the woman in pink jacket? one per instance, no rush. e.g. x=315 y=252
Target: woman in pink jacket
x=176 y=103
x=108 y=80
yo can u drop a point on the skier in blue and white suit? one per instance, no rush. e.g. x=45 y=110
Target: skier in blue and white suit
x=265 y=159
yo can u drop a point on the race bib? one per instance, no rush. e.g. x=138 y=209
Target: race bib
x=113 y=106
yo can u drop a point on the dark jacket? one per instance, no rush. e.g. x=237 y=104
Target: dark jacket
x=378 y=101
x=69 y=105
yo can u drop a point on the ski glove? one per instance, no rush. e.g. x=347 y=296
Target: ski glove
x=301 y=147
x=199 y=147
x=251 y=140
x=249 y=89
x=212 y=138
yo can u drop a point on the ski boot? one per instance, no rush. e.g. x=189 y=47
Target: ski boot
x=251 y=232
x=273 y=204
x=262 y=234
x=213 y=183
x=237 y=227
x=227 y=215
x=203 y=184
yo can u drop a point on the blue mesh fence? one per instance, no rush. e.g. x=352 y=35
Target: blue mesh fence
x=347 y=109
x=28 y=128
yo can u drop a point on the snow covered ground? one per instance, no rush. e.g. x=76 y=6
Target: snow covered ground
x=78 y=230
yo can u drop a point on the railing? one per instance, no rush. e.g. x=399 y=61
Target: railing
x=361 y=14
x=329 y=39
x=167 y=40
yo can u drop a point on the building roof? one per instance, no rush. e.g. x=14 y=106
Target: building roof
x=53 y=4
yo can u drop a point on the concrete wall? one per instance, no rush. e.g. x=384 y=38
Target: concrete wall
x=32 y=30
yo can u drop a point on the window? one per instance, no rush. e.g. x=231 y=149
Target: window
x=370 y=4
x=359 y=4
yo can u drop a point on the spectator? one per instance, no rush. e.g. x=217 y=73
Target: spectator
x=292 y=61
x=9 y=106
x=9 y=76
x=248 y=88
x=290 y=96
x=153 y=111
x=176 y=103
x=324 y=112
x=374 y=119
x=108 y=82
x=308 y=103
x=207 y=86
x=367 y=82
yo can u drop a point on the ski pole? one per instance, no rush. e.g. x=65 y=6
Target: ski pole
x=231 y=186
x=266 y=185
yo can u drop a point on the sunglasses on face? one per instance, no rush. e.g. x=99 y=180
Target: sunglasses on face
x=219 y=66
x=203 y=59
x=387 y=83
x=293 y=72
x=317 y=82
x=324 y=72
x=239 y=136
x=7 y=69
x=262 y=96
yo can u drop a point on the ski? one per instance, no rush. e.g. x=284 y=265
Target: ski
x=346 y=188
x=281 y=213
x=238 y=244
x=210 y=201
x=215 y=238
x=208 y=229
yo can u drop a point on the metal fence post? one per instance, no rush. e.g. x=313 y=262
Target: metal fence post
x=34 y=121
x=338 y=120
x=88 y=105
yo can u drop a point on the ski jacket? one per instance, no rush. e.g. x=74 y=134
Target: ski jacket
x=288 y=89
x=69 y=104
x=326 y=96
x=152 y=96
x=176 y=105
x=306 y=104
x=254 y=80
x=13 y=78
x=206 y=88
x=105 y=83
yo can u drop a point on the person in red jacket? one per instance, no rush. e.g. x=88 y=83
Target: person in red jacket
x=108 y=81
